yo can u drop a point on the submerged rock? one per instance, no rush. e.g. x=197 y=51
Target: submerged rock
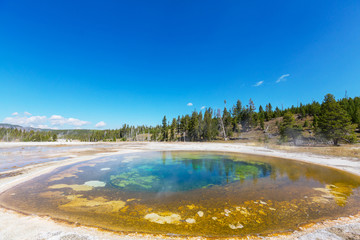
x=338 y=191
x=320 y=199
x=262 y=212
x=98 y=204
x=162 y=218
x=237 y=226
x=190 y=220
x=95 y=183
x=192 y=206
x=244 y=211
x=226 y=212
x=133 y=180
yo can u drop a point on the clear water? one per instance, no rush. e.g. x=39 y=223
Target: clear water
x=190 y=193
x=182 y=173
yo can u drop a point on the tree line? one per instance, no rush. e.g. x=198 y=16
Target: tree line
x=15 y=134
x=332 y=120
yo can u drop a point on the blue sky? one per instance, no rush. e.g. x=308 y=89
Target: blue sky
x=73 y=64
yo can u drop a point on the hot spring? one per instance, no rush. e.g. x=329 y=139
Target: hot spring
x=189 y=194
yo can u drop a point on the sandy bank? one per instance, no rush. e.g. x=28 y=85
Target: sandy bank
x=17 y=226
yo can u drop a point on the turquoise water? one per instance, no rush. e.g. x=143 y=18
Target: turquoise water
x=173 y=173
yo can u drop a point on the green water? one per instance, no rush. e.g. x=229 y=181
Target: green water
x=183 y=173
x=190 y=193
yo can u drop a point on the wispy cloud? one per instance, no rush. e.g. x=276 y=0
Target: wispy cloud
x=100 y=124
x=189 y=104
x=55 y=121
x=283 y=78
x=203 y=107
x=258 y=83
x=15 y=114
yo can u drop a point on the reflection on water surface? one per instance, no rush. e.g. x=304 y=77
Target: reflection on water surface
x=190 y=193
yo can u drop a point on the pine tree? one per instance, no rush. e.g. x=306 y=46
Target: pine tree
x=164 y=129
x=306 y=124
x=315 y=123
x=302 y=111
x=201 y=125
x=261 y=110
x=253 y=118
x=262 y=125
x=334 y=121
x=268 y=112
x=207 y=132
x=178 y=124
x=54 y=137
x=288 y=128
x=277 y=113
x=237 y=111
x=184 y=126
x=194 y=127
x=173 y=130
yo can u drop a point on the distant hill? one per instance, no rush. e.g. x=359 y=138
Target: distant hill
x=18 y=127
x=58 y=131
x=10 y=132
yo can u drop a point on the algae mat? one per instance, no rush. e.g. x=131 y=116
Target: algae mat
x=190 y=193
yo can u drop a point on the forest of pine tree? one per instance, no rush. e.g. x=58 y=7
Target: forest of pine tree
x=330 y=122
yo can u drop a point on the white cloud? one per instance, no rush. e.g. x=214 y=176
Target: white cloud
x=258 y=83
x=77 y=122
x=189 y=104
x=15 y=114
x=27 y=120
x=56 y=117
x=282 y=78
x=33 y=121
x=100 y=124
x=203 y=107
x=57 y=120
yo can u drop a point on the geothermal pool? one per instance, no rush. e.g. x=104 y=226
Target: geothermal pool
x=189 y=193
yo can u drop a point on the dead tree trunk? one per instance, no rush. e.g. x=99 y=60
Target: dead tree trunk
x=222 y=125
